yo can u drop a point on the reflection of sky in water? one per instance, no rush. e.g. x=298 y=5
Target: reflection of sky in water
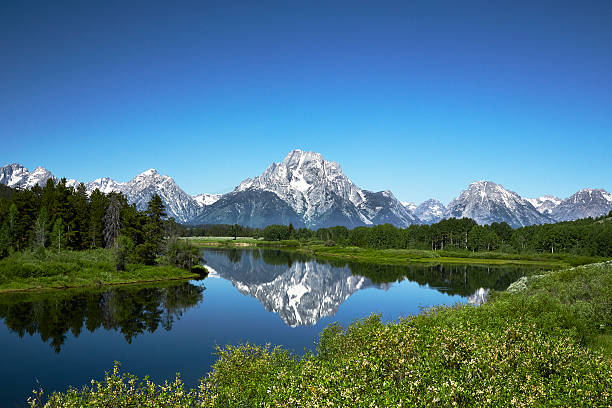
x=223 y=316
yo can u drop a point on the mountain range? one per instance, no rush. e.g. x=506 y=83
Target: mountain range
x=308 y=191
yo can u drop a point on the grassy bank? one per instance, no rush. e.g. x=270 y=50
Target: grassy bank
x=546 y=343
x=47 y=270
x=403 y=256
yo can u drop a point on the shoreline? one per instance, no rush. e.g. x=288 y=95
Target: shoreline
x=387 y=256
x=37 y=289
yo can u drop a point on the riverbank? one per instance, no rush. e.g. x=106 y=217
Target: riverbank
x=546 y=343
x=403 y=256
x=38 y=271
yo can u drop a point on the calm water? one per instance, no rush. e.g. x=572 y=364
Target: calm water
x=66 y=338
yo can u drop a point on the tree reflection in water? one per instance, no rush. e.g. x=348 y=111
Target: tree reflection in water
x=131 y=310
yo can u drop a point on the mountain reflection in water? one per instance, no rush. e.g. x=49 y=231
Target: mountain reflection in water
x=302 y=290
x=131 y=310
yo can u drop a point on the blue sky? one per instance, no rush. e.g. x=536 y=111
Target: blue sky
x=417 y=97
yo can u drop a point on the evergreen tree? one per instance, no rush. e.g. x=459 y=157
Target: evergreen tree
x=154 y=228
x=96 y=216
x=57 y=235
x=40 y=228
x=12 y=224
x=5 y=240
x=123 y=250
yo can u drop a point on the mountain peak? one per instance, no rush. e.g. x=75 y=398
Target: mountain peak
x=150 y=172
x=588 y=202
x=317 y=191
x=486 y=202
x=430 y=211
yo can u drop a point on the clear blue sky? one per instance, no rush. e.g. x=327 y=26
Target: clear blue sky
x=417 y=97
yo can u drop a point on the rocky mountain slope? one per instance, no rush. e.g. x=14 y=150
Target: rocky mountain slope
x=486 y=202
x=309 y=191
x=315 y=190
x=430 y=211
x=545 y=204
x=585 y=203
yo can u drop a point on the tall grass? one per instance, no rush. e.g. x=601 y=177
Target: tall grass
x=46 y=269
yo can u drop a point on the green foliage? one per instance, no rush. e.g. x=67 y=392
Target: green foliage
x=123 y=250
x=27 y=270
x=121 y=390
x=5 y=240
x=520 y=349
x=183 y=255
x=58 y=240
x=276 y=233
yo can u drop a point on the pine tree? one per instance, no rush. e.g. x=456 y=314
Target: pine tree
x=154 y=228
x=12 y=225
x=5 y=240
x=57 y=235
x=96 y=216
x=40 y=228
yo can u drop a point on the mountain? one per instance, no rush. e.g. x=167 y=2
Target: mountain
x=139 y=190
x=545 y=204
x=207 y=199
x=585 y=203
x=430 y=211
x=105 y=185
x=315 y=190
x=144 y=186
x=409 y=205
x=255 y=208
x=486 y=202
x=309 y=191
x=16 y=176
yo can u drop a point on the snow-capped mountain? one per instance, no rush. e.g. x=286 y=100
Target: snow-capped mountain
x=139 y=190
x=317 y=192
x=105 y=185
x=486 y=202
x=144 y=186
x=545 y=204
x=585 y=203
x=409 y=205
x=430 y=211
x=207 y=199
x=307 y=190
x=16 y=176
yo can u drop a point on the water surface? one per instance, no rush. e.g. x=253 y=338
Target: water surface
x=63 y=338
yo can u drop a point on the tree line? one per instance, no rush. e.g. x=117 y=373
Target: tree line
x=590 y=237
x=59 y=217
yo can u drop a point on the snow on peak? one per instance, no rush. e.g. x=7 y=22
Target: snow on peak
x=318 y=191
x=544 y=204
x=430 y=211
x=148 y=173
x=207 y=199
x=409 y=205
x=588 y=202
x=487 y=202
x=305 y=181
